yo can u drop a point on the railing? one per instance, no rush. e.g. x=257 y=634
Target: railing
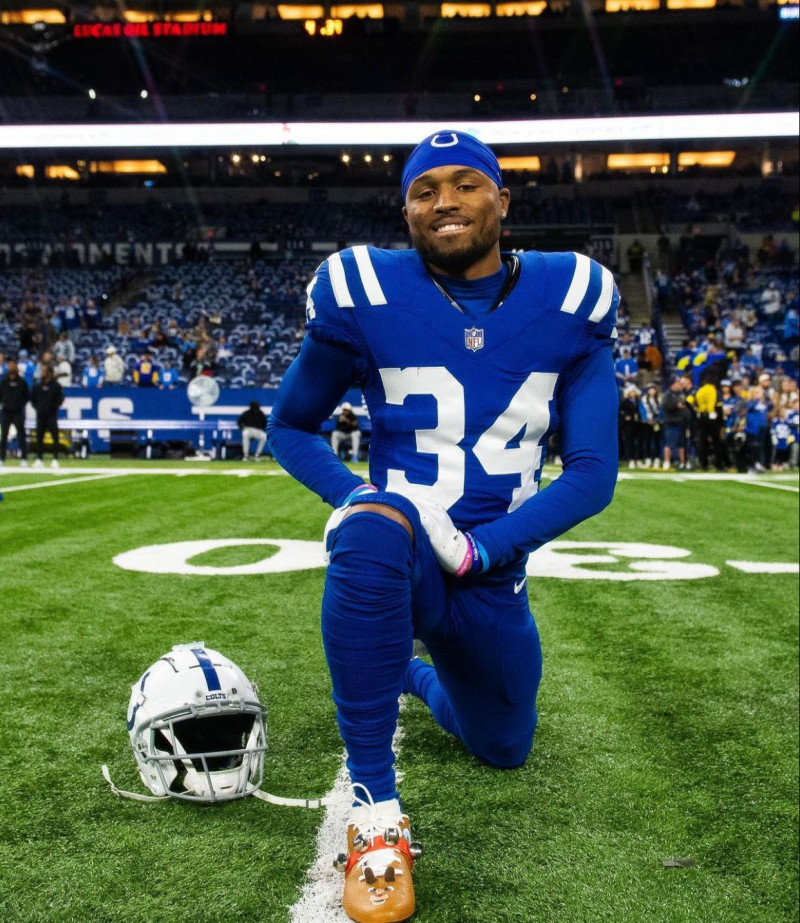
x=656 y=320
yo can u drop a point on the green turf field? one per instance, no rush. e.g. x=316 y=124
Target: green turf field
x=668 y=712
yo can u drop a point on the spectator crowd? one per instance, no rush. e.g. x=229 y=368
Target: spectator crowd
x=726 y=398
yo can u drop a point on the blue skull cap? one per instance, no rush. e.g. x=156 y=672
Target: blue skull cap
x=450 y=148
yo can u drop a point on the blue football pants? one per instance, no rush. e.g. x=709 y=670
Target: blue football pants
x=384 y=589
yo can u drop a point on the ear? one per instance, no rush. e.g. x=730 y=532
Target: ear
x=505 y=198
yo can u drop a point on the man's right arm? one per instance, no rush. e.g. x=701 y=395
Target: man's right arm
x=311 y=388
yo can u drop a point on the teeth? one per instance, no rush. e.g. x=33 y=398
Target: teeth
x=449 y=227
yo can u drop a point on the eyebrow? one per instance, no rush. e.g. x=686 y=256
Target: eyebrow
x=458 y=174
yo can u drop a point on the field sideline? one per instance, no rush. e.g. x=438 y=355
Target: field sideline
x=668 y=710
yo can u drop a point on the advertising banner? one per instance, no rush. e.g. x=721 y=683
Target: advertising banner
x=134 y=418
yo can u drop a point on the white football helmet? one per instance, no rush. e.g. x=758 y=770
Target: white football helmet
x=197 y=727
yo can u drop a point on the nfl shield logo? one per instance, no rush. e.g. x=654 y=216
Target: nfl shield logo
x=473 y=339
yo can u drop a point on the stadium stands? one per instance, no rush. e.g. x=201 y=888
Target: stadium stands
x=204 y=262
x=256 y=310
x=252 y=71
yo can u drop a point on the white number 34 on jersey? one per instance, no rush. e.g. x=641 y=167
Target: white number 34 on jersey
x=529 y=410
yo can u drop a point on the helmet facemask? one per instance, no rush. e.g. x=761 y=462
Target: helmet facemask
x=214 y=757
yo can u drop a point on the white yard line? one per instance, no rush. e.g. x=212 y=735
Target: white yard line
x=75 y=475
x=699 y=477
x=178 y=472
x=765 y=567
x=59 y=481
x=321 y=898
x=771 y=484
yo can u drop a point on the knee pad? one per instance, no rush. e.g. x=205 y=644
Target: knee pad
x=368 y=542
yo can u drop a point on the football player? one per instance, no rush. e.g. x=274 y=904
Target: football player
x=468 y=358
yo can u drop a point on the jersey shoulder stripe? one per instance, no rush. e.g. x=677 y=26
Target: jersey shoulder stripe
x=581 y=286
x=603 y=304
x=353 y=278
x=578 y=284
x=369 y=278
x=339 y=281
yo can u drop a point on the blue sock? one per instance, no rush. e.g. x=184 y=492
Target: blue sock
x=368 y=639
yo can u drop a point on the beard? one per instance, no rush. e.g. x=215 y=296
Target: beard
x=455 y=257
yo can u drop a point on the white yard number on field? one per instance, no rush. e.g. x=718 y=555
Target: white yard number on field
x=562 y=560
x=176 y=558
x=583 y=560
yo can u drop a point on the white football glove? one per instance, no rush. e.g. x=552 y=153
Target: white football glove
x=338 y=514
x=457 y=552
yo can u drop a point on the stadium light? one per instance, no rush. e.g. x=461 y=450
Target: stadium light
x=318 y=134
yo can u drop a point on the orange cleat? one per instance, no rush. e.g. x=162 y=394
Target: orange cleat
x=378 y=887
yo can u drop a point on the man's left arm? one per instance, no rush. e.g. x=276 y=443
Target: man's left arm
x=587 y=404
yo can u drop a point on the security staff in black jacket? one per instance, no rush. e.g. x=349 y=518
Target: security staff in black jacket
x=14 y=395
x=47 y=397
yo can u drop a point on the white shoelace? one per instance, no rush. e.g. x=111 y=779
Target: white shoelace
x=371 y=818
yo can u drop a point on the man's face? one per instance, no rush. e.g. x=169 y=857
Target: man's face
x=454 y=216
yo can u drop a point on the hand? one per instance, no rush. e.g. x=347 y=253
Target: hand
x=457 y=552
x=338 y=514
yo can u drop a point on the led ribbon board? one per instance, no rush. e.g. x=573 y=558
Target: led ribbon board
x=275 y=134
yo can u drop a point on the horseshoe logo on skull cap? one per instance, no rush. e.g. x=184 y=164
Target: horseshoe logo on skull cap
x=435 y=142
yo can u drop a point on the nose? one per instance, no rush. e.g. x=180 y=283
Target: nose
x=447 y=199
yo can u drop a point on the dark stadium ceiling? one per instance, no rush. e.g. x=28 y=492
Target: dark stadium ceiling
x=114 y=8
x=265 y=9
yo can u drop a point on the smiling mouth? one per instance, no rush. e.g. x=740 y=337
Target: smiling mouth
x=453 y=228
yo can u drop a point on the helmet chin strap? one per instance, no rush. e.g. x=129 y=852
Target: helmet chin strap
x=135 y=796
x=311 y=803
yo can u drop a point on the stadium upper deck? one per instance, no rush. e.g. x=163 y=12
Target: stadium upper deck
x=571 y=58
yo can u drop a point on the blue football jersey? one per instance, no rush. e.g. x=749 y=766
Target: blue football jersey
x=793 y=419
x=92 y=377
x=461 y=409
